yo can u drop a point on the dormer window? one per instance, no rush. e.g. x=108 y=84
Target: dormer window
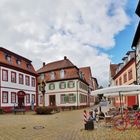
x=18 y=62
x=62 y=73
x=28 y=66
x=81 y=75
x=42 y=76
x=129 y=57
x=7 y=57
x=52 y=75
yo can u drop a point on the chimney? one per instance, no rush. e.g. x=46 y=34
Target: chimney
x=43 y=64
x=65 y=57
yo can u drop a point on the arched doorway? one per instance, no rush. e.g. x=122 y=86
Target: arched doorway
x=21 y=95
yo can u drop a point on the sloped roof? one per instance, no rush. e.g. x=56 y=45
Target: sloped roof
x=136 y=37
x=13 y=63
x=87 y=75
x=138 y=9
x=113 y=68
x=65 y=63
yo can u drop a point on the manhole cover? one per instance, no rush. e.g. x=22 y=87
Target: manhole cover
x=38 y=127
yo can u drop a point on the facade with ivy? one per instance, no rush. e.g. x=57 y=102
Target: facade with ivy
x=66 y=85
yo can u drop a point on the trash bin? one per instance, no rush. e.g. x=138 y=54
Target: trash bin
x=89 y=125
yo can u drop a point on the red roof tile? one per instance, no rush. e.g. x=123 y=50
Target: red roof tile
x=13 y=62
x=62 y=64
x=87 y=75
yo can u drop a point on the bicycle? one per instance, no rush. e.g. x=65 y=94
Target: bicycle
x=122 y=122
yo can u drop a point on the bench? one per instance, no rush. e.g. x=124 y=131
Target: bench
x=15 y=110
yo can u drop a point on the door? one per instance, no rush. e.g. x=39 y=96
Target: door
x=21 y=95
x=52 y=101
x=21 y=101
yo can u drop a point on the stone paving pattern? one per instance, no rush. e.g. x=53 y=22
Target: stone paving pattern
x=66 y=125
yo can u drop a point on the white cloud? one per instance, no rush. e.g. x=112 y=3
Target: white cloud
x=47 y=30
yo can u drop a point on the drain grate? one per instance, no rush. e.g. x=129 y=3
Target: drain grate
x=38 y=127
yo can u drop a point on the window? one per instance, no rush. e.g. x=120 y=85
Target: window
x=83 y=98
x=52 y=75
x=62 y=73
x=4 y=75
x=71 y=84
x=28 y=66
x=13 y=97
x=4 y=97
x=72 y=98
x=27 y=80
x=7 y=57
x=120 y=80
x=18 y=62
x=51 y=86
x=33 y=98
x=20 y=78
x=83 y=86
x=27 y=98
x=125 y=77
x=62 y=85
x=64 y=98
x=81 y=75
x=130 y=76
x=33 y=82
x=42 y=76
x=13 y=77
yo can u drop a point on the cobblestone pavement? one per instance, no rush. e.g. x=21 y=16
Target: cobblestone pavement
x=67 y=125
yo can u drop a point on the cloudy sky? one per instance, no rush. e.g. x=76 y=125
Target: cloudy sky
x=89 y=32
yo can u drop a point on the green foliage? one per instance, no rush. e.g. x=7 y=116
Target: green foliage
x=46 y=110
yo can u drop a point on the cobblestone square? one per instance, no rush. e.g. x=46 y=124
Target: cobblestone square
x=67 y=125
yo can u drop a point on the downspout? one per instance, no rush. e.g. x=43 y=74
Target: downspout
x=36 y=92
x=77 y=92
x=120 y=103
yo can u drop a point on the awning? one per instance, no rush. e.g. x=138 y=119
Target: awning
x=116 y=90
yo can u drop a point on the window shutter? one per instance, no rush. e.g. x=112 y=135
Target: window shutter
x=65 y=99
x=74 y=98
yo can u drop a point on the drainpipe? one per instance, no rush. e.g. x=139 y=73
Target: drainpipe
x=120 y=96
x=36 y=92
x=77 y=92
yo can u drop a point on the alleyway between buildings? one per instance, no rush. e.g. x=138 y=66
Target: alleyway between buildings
x=67 y=125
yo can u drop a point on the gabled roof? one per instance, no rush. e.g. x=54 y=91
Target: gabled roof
x=113 y=68
x=62 y=64
x=87 y=75
x=13 y=63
